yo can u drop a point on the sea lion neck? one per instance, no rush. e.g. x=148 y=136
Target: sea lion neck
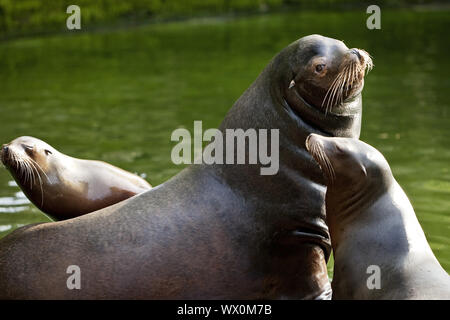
x=298 y=178
x=346 y=199
x=263 y=106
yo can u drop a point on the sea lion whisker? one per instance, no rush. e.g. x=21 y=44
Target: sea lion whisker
x=341 y=88
x=20 y=168
x=28 y=173
x=14 y=159
x=349 y=78
x=37 y=164
x=33 y=171
x=328 y=92
x=331 y=91
x=39 y=177
x=334 y=93
x=342 y=84
x=328 y=165
x=322 y=159
x=346 y=77
x=368 y=62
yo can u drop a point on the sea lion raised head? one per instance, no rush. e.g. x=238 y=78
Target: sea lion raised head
x=356 y=174
x=349 y=162
x=324 y=73
x=380 y=250
x=65 y=187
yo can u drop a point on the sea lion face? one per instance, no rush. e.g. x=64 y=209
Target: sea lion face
x=25 y=150
x=347 y=161
x=325 y=73
x=28 y=159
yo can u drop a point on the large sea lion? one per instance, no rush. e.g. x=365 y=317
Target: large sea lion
x=373 y=227
x=218 y=231
x=64 y=187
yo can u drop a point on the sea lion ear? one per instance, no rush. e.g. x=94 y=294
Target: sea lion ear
x=292 y=84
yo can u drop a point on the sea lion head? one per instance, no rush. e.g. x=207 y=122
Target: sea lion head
x=29 y=160
x=349 y=165
x=323 y=73
x=357 y=176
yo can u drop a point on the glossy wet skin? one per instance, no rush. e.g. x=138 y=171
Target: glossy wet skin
x=65 y=187
x=356 y=174
x=213 y=231
x=317 y=69
x=372 y=222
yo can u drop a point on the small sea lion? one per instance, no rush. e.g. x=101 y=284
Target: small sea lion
x=64 y=187
x=373 y=227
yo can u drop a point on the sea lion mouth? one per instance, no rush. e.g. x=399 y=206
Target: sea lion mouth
x=315 y=147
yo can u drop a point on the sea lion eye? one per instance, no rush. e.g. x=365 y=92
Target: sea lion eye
x=27 y=147
x=320 y=67
x=338 y=148
x=47 y=152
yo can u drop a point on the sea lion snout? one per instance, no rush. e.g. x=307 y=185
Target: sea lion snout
x=4 y=153
x=310 y=140
x=362 y=57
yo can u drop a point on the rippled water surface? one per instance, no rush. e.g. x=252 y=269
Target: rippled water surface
x=118 y=95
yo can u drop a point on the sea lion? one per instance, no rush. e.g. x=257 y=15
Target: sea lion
x=214 y=231
x=64 y=187
x=373 y=227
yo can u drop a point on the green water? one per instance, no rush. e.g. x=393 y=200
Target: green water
x=118 y=95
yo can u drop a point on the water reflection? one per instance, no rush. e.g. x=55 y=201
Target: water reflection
x=16 y=202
